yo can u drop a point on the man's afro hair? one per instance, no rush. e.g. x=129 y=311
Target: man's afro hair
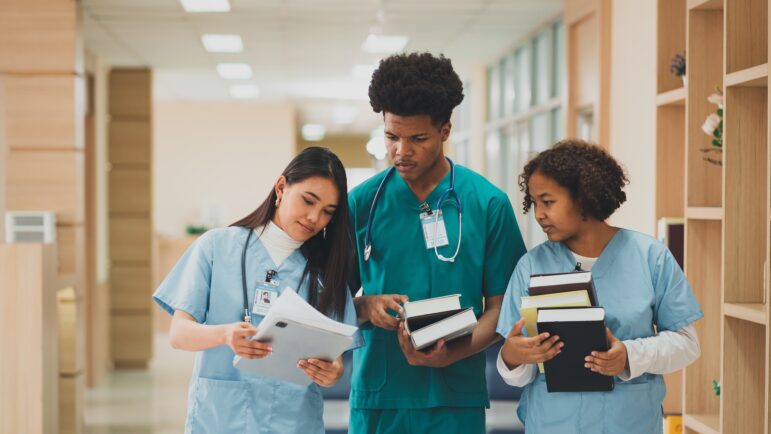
x=416 y=84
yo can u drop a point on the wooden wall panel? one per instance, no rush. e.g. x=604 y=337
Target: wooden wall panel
x=131 y=337
x=130 y=239
x=130 y=93
x=54 y=101
x=130 y=191
x=39 y=36
x=132 y=288
x=42 y=181
x=130 y=142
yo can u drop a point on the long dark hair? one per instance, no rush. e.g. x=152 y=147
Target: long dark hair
x=328 y=252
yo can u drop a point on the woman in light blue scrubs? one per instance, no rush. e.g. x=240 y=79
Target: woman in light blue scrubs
x=299 y=240
x=649 y=306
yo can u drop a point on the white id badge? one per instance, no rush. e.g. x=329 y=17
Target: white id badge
x=263 y=301
x=433 y=224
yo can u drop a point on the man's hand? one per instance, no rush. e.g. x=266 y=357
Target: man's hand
x=520 y=350
x=611 y=362
x=374 y=308
x=436 y=357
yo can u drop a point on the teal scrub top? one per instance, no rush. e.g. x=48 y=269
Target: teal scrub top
x=641 y=286
x=400 y=263
x=206 y=283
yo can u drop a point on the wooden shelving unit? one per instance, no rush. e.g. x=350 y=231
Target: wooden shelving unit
x=727 y=208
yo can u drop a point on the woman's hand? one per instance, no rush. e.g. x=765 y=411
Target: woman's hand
x=323 y=373
x=374 y=308
x=611 y=362
x=519 y=350
x=237 y=335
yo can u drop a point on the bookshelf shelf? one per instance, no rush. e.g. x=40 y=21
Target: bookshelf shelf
x=753 y=312
x=674 y=97
x=756 y=76
x=702 y=423
x=704 y=213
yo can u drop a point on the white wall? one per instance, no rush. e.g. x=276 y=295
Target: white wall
x=222 y=157
x=633 y=109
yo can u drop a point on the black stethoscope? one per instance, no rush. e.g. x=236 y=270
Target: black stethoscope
x=269 y=275
x=447 y=193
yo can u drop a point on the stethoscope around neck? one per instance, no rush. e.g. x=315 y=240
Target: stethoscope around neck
x=450 y=192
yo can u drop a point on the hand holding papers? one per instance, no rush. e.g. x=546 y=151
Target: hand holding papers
x=296 y=331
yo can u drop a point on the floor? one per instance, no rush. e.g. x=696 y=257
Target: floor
x=154 y=401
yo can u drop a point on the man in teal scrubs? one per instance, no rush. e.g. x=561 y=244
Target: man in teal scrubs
x=396 y=389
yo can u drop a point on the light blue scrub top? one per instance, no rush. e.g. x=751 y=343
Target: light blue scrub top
x=206 y=283
x=640 y=285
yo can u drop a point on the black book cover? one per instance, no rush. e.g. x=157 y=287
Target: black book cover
x=418 y=322
x=566 y=371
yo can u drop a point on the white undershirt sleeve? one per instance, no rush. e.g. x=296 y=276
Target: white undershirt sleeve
x=520 y=376
x=666 y=352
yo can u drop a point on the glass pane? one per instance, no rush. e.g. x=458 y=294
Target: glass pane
x=559 y=58
x=523 y=84
x=557 y=125
x=509 y=90
x=540 y=132
x=542 y=46
x=493 y=92
x=493 y=157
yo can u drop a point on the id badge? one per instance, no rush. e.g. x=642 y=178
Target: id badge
x=433 y=224
x=263 y=300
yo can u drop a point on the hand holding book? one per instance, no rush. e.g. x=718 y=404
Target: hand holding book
x=436 y=356
x=611 y=362
x=520 y=350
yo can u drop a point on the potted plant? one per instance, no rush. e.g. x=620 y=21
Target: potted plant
x=713 y=126
x=677 y=67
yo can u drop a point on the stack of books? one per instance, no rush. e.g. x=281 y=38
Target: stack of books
x=565 y=305
x=432 y=319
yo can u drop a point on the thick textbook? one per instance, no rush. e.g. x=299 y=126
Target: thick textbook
x=541 y=284
x=432 y=319
x=582 y=329
x=296 y=331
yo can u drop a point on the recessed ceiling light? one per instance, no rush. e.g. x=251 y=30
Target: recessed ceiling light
x=313 y=132
x=234 y=71
x=244 y=91
x=384 y=44
x=195 y=6
x=215 y=43
x=344 y=114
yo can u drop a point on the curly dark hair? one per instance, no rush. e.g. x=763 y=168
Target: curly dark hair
x=593 y=177
x=416 y=84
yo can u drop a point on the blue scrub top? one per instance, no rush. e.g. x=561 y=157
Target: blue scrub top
x=640 y=285
x=206 y=283
x=401 y=264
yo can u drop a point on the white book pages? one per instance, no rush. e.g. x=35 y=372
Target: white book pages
x=568 y=315
x=559 y=279
x=431 y=305
x=289 y=305
x=449 y=328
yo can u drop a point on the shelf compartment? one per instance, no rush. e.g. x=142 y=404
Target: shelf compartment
x=674 y=97
x=704 y=181
x=703 y=265
x=745 y=165
x=705 y=5
x=702 y=423
x=704 y=213
x=757 y=76
x=744 y=376
x=671 y=40
x=670 y=161
x=746 y=28
x=754 y=312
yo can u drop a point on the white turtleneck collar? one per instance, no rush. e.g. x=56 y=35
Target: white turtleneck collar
x=278 y=243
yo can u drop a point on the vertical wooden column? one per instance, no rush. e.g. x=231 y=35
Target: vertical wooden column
x=41 y=134
x=588 y=34
x=28 y=384
x=130 y=221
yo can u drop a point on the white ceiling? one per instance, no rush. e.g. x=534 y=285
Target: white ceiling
x=301 y=50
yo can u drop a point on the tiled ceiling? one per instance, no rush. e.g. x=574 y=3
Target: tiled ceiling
x=301 y=50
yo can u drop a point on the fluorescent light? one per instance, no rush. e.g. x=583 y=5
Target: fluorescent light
x=363 y=72
x=194 y=6
x=244 y=91
x=234 y=71
x=222 y=43
x=344 y=114
x=384 y=44
x=313 y=132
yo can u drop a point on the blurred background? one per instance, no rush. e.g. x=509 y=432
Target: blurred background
x=128 y=127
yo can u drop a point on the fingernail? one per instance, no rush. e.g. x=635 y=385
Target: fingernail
x=594 y=353
x=586 y=365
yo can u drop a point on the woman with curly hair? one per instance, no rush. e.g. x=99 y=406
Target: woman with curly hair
x=649 y=306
